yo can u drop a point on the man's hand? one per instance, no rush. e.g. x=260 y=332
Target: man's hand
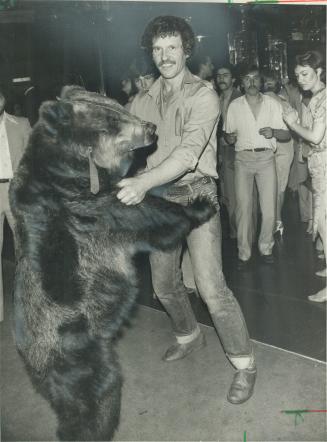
x=132 y=191
x=267 y=132
x=230 y=138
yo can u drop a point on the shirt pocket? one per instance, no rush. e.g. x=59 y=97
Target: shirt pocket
x=179 y=122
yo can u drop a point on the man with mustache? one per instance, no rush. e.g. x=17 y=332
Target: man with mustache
x=254 y=124
x=186 y=110
x=14 y=132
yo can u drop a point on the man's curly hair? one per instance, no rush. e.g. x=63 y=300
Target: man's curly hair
x=167 y=25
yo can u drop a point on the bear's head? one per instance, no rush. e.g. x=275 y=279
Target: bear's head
x=86 y=126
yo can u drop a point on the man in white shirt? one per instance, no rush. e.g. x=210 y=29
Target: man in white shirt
x=14 y=132
x=254 y=124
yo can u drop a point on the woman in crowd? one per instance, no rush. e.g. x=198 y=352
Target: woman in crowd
x=285 y=151
x=299 y=181
x=309 y=70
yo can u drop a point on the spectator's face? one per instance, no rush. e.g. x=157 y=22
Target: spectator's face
x=208 y=68
x=307 y=77
x=126 y=86
x=269 y=84
x=168 y=55
x=144 y=82
x=224 y=79
x=2 y=103
x=252 y=83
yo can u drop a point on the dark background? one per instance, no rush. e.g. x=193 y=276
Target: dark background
x=56 y=42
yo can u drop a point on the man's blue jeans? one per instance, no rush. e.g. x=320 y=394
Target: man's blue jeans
x=204 y=244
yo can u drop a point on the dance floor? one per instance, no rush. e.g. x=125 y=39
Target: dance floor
x=274 y=298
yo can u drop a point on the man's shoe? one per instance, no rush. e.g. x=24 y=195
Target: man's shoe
x=268 y=259
x=322 y=273
x=179 y=351
x=242 y=386
x=243 y=265
x=321 y=296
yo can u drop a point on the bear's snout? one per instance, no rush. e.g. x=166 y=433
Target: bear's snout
x=149 y=132
x=150 y=128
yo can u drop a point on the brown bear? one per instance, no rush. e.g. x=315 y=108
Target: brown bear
x=76 y=281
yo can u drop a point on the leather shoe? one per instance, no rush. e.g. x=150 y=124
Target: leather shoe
x=268 y=259
x=242 y=386
x=179 y=351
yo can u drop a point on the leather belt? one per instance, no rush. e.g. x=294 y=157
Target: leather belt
x=257 y=149
x=182 y=189
x=4 y=180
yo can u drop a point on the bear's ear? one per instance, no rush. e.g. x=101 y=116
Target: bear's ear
x=56 y=115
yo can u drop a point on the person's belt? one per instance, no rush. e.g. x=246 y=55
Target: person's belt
x=257 y=149
x=4 y=180
x=180 y=189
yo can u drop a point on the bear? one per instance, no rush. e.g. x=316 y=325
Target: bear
x=76 y=281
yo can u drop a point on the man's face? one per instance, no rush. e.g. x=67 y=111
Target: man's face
x=144 y=82
x=252 y=83
x=208 y=68
x=269 y=84
x=126 y=86
x=168 y=55
x=224 y=79
x=2 y=104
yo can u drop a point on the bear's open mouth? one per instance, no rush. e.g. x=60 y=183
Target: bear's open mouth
x=144 y=135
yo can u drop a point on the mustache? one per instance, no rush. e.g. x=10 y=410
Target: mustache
x=165 y=62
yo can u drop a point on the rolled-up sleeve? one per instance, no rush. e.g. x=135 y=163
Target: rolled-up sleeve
x=200 y=123
x=229 y=124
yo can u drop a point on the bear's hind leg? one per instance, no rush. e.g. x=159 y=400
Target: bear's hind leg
x=84 y=388
x=97 y=423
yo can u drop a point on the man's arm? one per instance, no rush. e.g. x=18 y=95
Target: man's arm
x=229 y=130
x=133 y=190
x=282 y=135
x=230 y=138
x=278 y=129
x=196 y=133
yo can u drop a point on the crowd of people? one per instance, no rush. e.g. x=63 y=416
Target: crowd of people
x=259 y=153
x=245 y=133
x=256 y=149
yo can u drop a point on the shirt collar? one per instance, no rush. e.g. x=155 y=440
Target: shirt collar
x=188 y=78
x=262 y=97
x=227 y=96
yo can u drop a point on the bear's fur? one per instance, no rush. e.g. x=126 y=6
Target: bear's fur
x=75 y=281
